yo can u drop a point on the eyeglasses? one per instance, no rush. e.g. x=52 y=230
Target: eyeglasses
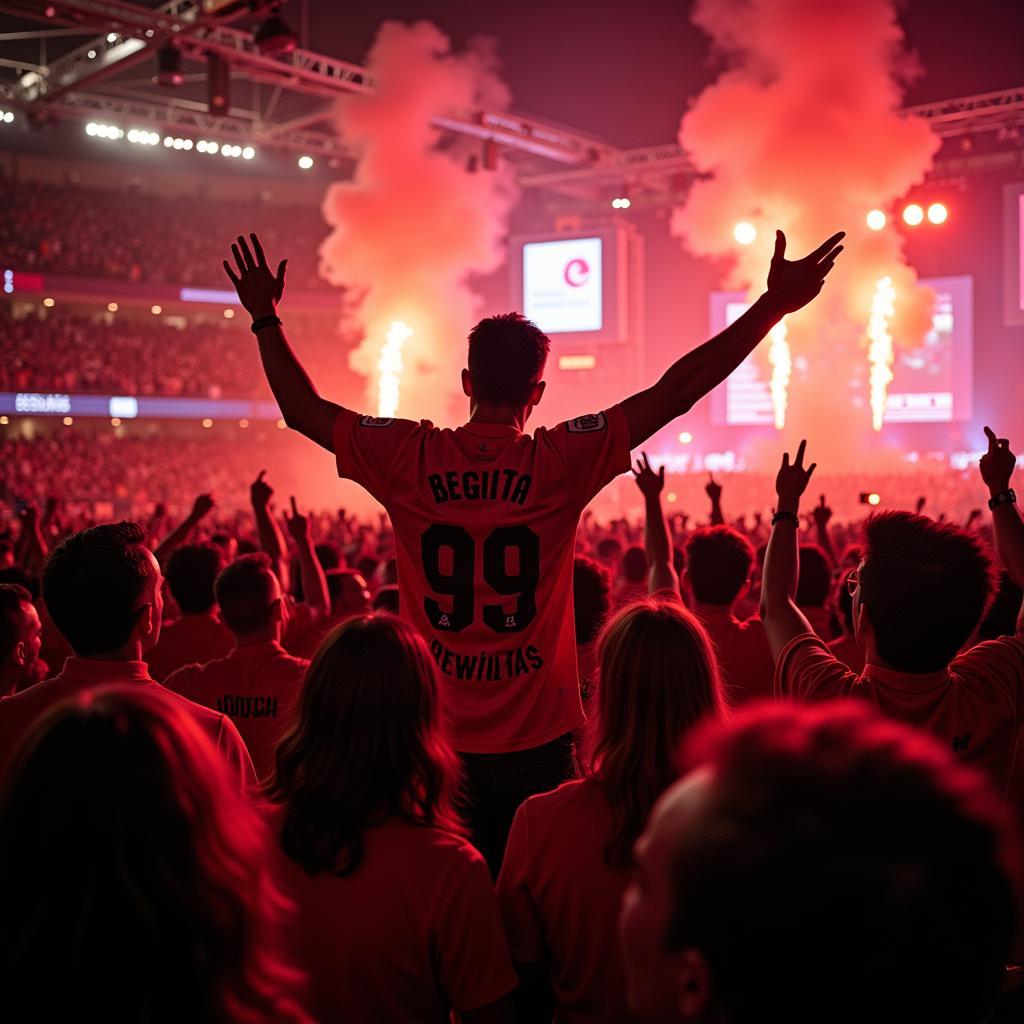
x=853 y=581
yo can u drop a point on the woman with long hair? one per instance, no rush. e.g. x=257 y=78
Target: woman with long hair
x=569 y=855
x=137 y=877
x=397 y=919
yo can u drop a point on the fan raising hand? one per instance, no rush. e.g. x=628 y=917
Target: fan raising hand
x=793 y=283
x=259 y=290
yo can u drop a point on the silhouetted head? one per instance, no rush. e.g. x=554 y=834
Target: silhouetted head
x=506 y=361
x=191 y=571
x=718 y=561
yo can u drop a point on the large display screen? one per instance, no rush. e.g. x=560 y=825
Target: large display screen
x=1013 y=253
x=932 y=382
x=562 y=285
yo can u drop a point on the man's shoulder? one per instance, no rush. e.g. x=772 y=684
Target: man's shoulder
x=1003 y=655
x=206 y=717
x=36 y=697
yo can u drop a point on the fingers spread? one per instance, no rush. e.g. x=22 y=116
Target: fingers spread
x=780 y=246
x=800 y=453
x=261 y=260
x=230 y=272
x=826 y=246
x=250 y=263
x=238 y=259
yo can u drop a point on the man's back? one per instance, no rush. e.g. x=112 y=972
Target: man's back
x=744 y=657
x=192 y=638
x=485 y=519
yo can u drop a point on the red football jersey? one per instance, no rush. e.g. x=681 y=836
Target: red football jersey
x=485 y=522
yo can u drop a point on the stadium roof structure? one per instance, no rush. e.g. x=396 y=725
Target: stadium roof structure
x=286 y=100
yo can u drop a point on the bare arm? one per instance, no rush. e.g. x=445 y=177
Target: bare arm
x=32 y=547
x=271 y=539
x=791 y=285
x=714 y=492
x=661 y=573
x=783 y=620
x=314 y=582
x=201 y=508
x=997 y=466
x=260 y=291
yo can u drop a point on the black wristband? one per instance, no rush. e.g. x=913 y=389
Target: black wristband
x=1003 y=498
x=264 y=321
x=791 y=517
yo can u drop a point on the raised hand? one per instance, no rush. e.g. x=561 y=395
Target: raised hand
x=919 y=507
x=713 y=489
x=259 y=290
x=649 y=482
x=793 y=283
x=822 y=514
x=260 y=492
x=793 y=479
x=298 y=524
x=997 y=464
x=202 y=507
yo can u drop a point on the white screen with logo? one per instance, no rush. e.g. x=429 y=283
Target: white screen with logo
x=562 y=287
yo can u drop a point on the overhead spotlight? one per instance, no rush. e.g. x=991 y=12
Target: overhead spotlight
x=91 y=128
x=91 y=55
x=305 y=162
x=201 y=145
x=155 y=310
x=111 y=307
x=112 y=37
x=115 y=421
x=207 y=423
x=248 y=153
x=218 y=84
x=49 y=303
x=68 y=421
x=168 y=141
x=876 y=220
x=275 y=36
x=937 y=213
x=621 y=203
x=168 y=66
x=229 y=314
x=744 y=233
x=212 y=147
x=913 y=215
x=685 y=437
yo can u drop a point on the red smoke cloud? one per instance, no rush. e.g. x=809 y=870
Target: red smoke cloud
x=415 y=222
x=802 y=132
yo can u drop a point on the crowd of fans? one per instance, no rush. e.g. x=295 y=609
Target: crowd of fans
x=130 y=235
x=263 y=765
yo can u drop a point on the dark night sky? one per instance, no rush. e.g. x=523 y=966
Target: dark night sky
x=625 y=71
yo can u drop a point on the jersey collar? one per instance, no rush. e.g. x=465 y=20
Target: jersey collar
x=492 y=429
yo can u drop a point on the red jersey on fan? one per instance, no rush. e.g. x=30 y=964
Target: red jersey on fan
x=485 y=521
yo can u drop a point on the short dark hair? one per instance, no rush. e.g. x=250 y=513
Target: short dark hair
x=506 y=359
x=328 y=554
x=12 y=616
x=94 y=583
x=815 y=583
x=609 y=548
x=1001 y=617
x=591 y=597
x=191 y=571
x=245 y=593
x=387 y=599
x=926 y=585
x=853 y=850
x=634 y=564
x=718 y=560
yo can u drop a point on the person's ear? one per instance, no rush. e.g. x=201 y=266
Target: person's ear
x=862 y=624
x=145 y=622
x=20 y=653
x=537 y=392
x=467 y=384
x=693 y=984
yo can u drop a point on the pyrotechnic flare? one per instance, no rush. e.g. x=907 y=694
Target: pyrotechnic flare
x=781 y=362
x=416 y=222
x=880 y=351
x=390 y=367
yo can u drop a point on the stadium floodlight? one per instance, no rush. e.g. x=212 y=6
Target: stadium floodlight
x=305 y=162
x=913 y=215
x=744 y=233
x=248 y=153
x=876 y=220
x=937 y=213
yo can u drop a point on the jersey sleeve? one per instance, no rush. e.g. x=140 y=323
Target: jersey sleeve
x=593 y=450
x=808 y=670
x=1000 y=661
x=232 y=746
x=365 y=448
x=519 y=912
x=475 y=968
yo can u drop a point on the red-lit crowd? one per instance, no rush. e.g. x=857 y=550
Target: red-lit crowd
x=477 y=761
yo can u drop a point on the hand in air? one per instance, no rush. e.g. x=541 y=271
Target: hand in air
x=258 y=289
x=793 y=283
x=997 y=464
x=793 y=479
x=202 y=506
x=713 y=489
x=298 y=524
x=260 y=492
x=649 y=482
x=821 y=514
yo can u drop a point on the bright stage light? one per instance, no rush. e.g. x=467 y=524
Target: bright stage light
x=671 y=497
x=780 y=358
x=913 y=214
x=937 y=213
x=168 y=141
x=621 y=203
x=4 y=421
x=91 y=55
x=68 y=421
x=212 y=147
x=390 y=368
x=876 y=220
x=685 y=437
x=874 y=499
x=201 y=145
x=111 y=37
x=111 y=307
x=248 y=153
x=115 y=421
x=48 y=303
x=207 y=423
x=244 y=424
x=156 y=310
x=744 y=233
x=305 y=162
x=229 y=314
x=281 y=425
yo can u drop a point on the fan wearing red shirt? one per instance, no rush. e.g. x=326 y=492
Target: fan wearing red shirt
x=485 y=516
x=102 y=587
x=258 y=684
x=918 y=595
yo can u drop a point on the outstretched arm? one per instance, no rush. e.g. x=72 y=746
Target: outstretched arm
x=997 y=466
x=661 y=572
x=259 y=291
x=783 y=620
x=269 y=533
x=791 y=285
x=314 y=582
x=201 y=508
